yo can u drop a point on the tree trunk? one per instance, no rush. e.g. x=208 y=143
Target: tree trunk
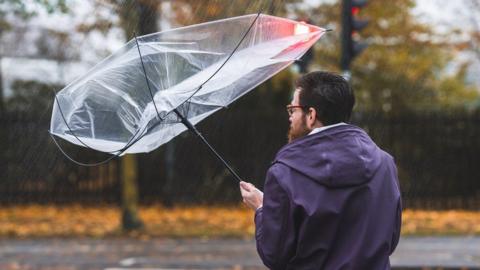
x=2 y=108
x=145 y=14
x=129 y=175
x=148 y=16
x=168 y=187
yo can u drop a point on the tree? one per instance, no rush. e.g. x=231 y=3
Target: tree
x=474 y=30
x=20 y=9
x=403 y=67
x=140 y=18
x=187 y=12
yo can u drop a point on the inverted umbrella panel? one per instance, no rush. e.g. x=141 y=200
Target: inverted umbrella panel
x=111 y=106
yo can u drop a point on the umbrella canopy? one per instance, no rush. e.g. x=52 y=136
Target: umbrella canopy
x=125 y=103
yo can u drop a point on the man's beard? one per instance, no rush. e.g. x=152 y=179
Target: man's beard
x=295 y=133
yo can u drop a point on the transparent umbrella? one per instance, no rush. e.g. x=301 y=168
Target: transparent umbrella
x=158 y=85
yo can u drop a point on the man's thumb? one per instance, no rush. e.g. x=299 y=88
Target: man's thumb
x=245 y=186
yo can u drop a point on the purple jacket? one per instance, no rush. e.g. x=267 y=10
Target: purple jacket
x=331 y=201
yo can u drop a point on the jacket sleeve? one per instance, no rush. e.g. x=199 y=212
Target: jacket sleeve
x=274 y=230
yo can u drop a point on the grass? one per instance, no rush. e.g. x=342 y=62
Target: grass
x=104 y=221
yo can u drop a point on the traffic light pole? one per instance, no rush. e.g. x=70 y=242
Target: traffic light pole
x=350 y=27
x=346 y=39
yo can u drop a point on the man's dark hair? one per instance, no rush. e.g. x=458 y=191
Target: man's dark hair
x=329 y=94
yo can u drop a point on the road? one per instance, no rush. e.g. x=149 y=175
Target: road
x=119 y=254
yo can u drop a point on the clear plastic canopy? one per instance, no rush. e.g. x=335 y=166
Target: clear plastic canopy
x=111 y=107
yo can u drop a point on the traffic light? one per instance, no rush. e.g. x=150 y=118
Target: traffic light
x=351 y=25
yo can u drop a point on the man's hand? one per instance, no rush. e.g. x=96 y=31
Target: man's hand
x=252 y=197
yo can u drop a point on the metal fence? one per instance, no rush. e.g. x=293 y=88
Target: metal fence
x=436 y=152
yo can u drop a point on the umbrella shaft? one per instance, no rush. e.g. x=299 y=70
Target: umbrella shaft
x=191 y=127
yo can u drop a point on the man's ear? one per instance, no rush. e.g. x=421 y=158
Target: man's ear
x=311 y=117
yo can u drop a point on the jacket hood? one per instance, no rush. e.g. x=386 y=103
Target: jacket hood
x=338 y=157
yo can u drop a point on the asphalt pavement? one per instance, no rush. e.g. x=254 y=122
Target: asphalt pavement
x=155 y=254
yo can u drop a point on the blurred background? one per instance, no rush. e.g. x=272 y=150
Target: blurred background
x=414 y=66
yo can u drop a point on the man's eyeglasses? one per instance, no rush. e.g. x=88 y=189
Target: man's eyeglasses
x=291 y=108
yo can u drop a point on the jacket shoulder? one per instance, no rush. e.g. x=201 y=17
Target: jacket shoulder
x=278 y=173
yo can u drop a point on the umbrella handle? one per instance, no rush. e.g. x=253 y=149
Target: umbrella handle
x=191 y=127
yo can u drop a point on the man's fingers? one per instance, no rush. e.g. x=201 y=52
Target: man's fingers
x=245 y=186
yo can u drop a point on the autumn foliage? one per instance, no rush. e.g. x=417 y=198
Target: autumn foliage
x=104 y=221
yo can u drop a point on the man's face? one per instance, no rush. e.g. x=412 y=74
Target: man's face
x=298 y=121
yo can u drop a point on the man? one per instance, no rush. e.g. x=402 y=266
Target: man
x=332 y=199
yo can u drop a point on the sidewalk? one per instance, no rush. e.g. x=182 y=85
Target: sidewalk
x=121 y=254
x=439 y=252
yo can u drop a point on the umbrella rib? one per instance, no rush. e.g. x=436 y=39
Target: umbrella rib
x=146 y=77
x=229 y=56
